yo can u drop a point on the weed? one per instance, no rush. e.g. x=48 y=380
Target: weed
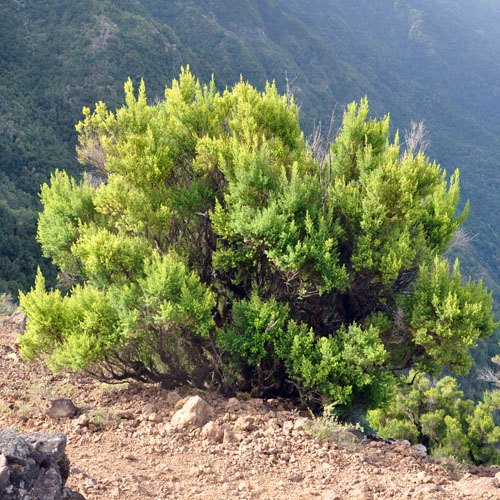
x=455 y=468
x=328 y=426
x=104 y=387
x=103 y=416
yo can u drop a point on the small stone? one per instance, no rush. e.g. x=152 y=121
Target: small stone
x=173 y=397
x=154 y=417
x=229 y=436
x=331 y=495
x=297 y=478
x=181 y=402
x=245 y=423
x=62 y=408
x=424 y=478
x=300 y=424
x=497 y=479
x=194 y=471
x=149 y=408
x=125 y=415
x=194 y=413
x=256 y=402
x=419 y=451
x=83 y=420
x=13 y=357
x=232 y=404
x=212 y=432
x=243 y=486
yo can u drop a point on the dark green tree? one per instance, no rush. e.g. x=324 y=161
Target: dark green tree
x=209 y=245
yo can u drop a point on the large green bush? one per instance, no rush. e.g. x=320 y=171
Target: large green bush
x=208 y=245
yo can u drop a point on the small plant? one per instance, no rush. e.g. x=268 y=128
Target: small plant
x=7 y=305
x=106 y=388
x=455 y=468
x=328 y=426
x=101 y=417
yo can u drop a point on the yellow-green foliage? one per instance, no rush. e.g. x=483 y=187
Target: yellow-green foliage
x=438 y=416
x=209 y=245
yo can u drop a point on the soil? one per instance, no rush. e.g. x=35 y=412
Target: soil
x=121 y=445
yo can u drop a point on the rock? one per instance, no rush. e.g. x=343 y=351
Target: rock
x=403 y=442
x=419 y=451
x=14 y=449
x=194 y=413
x=154 y=417
x=62 y=408
x=424 y=478
x=212 y=432
x=497 y=479
x=149 y=408
x=173 y=397
x=243 y=486
x=4 y=473
x=256 y=402
x=83 y=420
x=230 y=437
x=331 y=495
x=300 y=424
x=181 y=403
x=245 y=423
x=428 y=492
x=17 y=319
x=13 y=357
x=232 y=404
x=34 y=466
x=125 y=415
x=68 y=494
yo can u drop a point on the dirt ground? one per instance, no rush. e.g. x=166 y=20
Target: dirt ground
x=122 y=446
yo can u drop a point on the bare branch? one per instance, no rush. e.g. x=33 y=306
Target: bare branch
x=488 y=375
x=91 y=152
x=461 y=239
x=417 y=138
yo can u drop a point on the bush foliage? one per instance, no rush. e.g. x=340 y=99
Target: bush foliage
x=438 y=416
x=209 y=245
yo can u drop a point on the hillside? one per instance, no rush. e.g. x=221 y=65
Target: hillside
x=122 y=445
x=418 y=60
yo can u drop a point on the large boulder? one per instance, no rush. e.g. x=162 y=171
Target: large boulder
x=34 y=467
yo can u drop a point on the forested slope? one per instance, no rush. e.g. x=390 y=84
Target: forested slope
x=425 y=60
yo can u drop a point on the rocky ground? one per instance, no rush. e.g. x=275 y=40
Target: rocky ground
x=125 y=443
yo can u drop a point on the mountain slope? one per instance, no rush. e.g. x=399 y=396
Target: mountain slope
x=427 y=60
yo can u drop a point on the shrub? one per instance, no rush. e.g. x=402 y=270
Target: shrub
x=438 y=416
x=210 y=246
